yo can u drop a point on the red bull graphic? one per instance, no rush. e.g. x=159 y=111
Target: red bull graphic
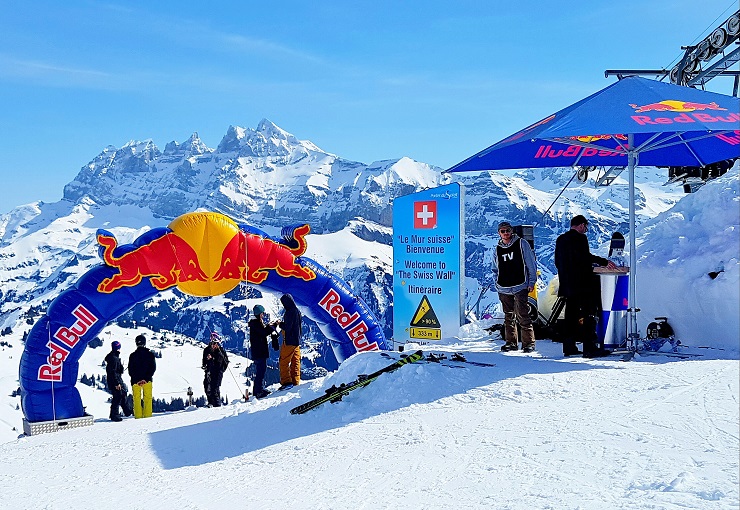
x=251 y=257
x=731 y=138
x=573 y=151
x=203 y=254
x=670 y=105
x=568 y=150
x=69 y=336
x=353 y=325
x=169 y=260
x=595 y=138
x=668 y=125
x=612 y=325
x=166 y=261
x=686 y=113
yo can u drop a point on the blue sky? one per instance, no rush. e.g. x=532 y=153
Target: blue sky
x=366 y=80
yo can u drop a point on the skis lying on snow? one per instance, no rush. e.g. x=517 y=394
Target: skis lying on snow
x=335 y=393
x=429 y=359
x=680 y=355
x=437 y=357
x=629 y=356
x=441 y=358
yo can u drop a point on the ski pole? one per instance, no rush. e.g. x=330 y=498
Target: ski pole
x=245 y=395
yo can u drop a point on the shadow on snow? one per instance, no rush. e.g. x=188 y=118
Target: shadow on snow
x=253 y=430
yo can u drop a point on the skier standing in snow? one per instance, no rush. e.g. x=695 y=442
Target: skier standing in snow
x=215 y=362
x=259 y=351
x=141 y=368
x=290 y=352
x=515 y=274
x=575 y=263
x=116 y=386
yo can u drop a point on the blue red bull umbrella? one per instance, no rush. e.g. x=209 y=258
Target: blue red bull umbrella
x=633 y=121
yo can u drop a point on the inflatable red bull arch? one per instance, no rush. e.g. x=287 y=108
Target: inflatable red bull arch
x=202 y=254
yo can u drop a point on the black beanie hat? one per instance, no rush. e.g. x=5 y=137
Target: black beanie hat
x=578 y=220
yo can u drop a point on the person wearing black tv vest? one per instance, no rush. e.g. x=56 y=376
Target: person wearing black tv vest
x=515 y=275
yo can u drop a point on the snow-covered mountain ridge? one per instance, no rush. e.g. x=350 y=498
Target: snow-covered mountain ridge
x=265 y=175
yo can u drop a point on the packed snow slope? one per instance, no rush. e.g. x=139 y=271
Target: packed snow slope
x=689 y=265
x=535 y=431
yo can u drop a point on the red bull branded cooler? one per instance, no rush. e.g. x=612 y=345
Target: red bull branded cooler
x=612 y=328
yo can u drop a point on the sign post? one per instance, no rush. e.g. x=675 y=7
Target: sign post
x=428 y=264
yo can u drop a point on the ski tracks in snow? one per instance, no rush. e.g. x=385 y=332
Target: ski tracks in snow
x=530 y=433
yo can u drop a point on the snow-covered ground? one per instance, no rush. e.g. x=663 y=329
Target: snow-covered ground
x=535 y=431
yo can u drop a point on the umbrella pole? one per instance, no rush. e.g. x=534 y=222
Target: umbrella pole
x=633 y=335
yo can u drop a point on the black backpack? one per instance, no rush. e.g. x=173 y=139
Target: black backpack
x=224 y=360
x=660 y=329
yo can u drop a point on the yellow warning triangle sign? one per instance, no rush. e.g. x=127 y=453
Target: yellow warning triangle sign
x=424 y=316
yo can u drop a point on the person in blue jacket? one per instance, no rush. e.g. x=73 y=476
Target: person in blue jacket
x=515 y=275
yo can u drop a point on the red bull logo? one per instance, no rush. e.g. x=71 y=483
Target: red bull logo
x=687 y=112
x=68 y=337
x=573 y=151
x=250 y=257
x=204 y=254
x=167 y=261
x=354 y=330
x=671 y=105
x=731 y=138
x=596 y=138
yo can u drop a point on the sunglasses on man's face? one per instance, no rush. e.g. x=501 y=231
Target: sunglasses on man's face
x=505 y=231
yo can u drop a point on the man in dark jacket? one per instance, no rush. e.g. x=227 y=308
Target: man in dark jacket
x=575 y=263
x=215 y=362
x=290 y=352
x=116 y=386
x=141 y=368
x=258 y=349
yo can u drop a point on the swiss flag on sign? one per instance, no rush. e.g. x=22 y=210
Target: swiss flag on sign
x=425 y=214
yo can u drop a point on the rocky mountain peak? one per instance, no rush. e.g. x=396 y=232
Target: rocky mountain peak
x=265 y=141
x=193 y=146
